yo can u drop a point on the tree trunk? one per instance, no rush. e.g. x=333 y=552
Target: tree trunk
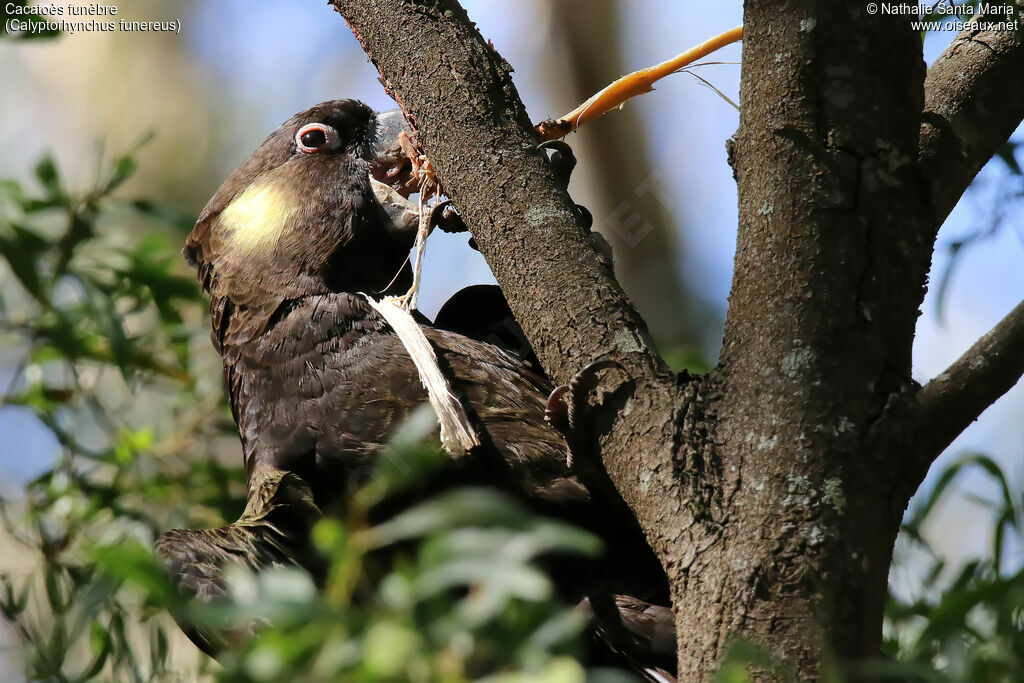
x=772 y=488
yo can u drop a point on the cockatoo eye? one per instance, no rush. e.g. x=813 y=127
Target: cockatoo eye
x=317 y=137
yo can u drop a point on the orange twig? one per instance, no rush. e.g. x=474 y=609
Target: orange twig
x=631 y=85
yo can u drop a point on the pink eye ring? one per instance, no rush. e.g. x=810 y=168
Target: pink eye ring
x=317 y=137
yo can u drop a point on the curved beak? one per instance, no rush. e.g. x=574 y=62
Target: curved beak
x=390 y=172
x=390 y=124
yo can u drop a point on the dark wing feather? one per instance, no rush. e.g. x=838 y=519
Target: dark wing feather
x=273 y=531
x=481 y=312
x=634 y=632
x=324 y=388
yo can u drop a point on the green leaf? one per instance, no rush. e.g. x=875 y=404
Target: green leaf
x=484 y=507
x=40 y=27
x=57 y=647
x=55 y=591
x=100 y=644
x=167 y=214
x=48 y=176
x=12 y=189
x=13 y=605
x=123 y=169
x=387 y=649
x=81 y=227
x=22 y=251
x=158 y=649
x=131 y=563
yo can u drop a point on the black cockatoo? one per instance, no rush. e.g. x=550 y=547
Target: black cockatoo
x=317 y=381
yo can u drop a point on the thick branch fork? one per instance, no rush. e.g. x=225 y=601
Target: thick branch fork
x=747 y=481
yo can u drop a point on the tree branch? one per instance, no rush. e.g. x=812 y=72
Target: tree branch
x=955 y=399
x=972 y=105
x=459 y=97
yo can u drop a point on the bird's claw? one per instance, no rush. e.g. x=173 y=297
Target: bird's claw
x=562 y=161
x=587 y=379
x=444 y=216
x=556 y=414
x=571 y=418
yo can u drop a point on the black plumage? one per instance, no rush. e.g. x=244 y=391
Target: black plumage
x=481 y=312
x=317 y=381
x=272 y=532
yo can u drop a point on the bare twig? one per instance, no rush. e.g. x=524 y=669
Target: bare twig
x=631 y=85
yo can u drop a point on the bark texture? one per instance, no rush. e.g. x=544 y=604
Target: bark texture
x=773 y=487
x=821 y=319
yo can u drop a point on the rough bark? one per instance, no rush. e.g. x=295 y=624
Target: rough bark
x=820 y=321
x=478 y=136
x=772 y=488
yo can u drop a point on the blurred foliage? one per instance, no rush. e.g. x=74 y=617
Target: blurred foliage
x=40 y=29
x=104 y=332
x=447 y=590
x=466 y=602
x=686 y=358
x=963 y=624
x=98 y=321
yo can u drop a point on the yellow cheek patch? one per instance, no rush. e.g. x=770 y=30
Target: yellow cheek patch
x=258 y=217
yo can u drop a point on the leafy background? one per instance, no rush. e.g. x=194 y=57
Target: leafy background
x=113 y=425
